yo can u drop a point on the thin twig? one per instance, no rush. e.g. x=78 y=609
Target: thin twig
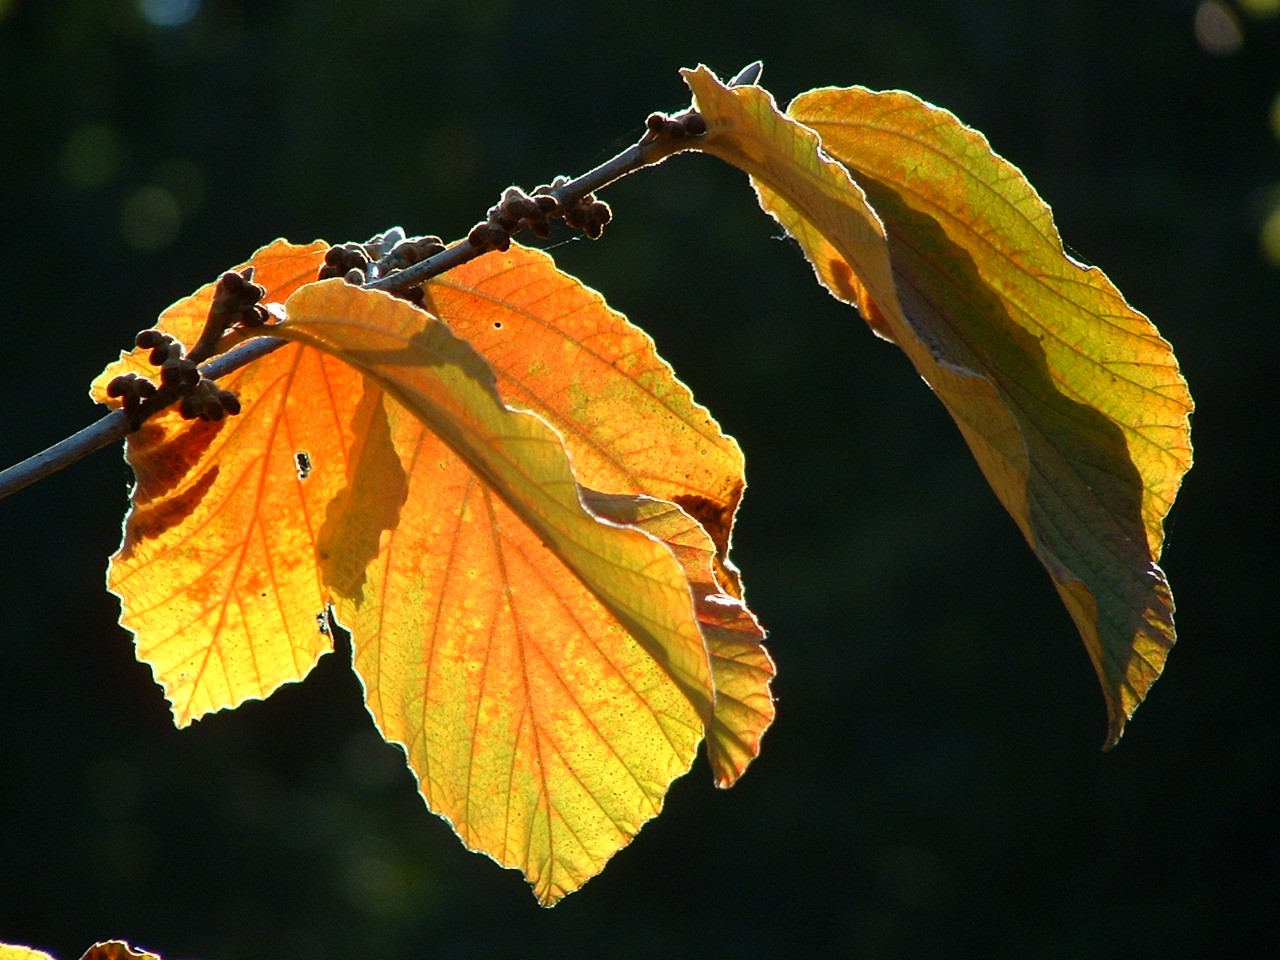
x=115 y=425
x=648 y=151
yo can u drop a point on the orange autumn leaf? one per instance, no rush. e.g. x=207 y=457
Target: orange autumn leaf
x=1069 y=399
x=217 y=572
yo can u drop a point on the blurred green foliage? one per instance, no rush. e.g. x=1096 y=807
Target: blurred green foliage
x=932 y=787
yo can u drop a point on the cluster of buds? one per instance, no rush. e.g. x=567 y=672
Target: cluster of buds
x=207 y=401
x=515 y=211
x=348 y=260
x=132 y=391
x=357 y=263
x=518 y=210
x=680 y=127
x=237 y=301
x=179 y=376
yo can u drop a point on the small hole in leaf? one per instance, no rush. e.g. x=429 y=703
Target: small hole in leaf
x=303 y=461
x=497 y=324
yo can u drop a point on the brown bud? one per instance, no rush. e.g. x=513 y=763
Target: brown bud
x=354 y=276
x=694 y=125
x=151 y=338
x=656 y=122
x=121 y=385
x=599 y=212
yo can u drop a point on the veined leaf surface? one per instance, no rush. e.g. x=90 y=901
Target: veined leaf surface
x=543 y=668
x=1069 y=399
x=558 y=349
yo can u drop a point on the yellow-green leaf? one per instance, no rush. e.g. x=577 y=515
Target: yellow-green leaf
x=740 y=666
x=543 y=668
x=558 y=349
x=1069 y=399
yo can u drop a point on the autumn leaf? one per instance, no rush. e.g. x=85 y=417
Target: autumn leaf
x=543 y=668
x=630 y=427
x=549 y=670
x=217 y=572
x=1069 y=399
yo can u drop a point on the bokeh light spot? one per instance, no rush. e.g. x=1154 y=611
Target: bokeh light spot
x=1275 y=116
x=1218 y=28
x=91 y=156
x=168 y=13
x=149 y=219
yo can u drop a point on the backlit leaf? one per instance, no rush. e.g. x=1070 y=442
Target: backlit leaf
x=558 y=349
x=217 y=573
x=1069 y=399
x=543 y=668
x=740 y=666
x=630 y=427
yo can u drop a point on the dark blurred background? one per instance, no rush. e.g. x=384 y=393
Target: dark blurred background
x=933 y=786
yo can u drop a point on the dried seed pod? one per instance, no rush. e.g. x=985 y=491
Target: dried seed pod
x=545 y=203
x=229 y=401
x=593 y=230
x=656 y=123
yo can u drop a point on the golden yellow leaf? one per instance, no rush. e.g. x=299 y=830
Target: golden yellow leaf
x=217 y=572
x=1069 y=399
x=543 y=668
